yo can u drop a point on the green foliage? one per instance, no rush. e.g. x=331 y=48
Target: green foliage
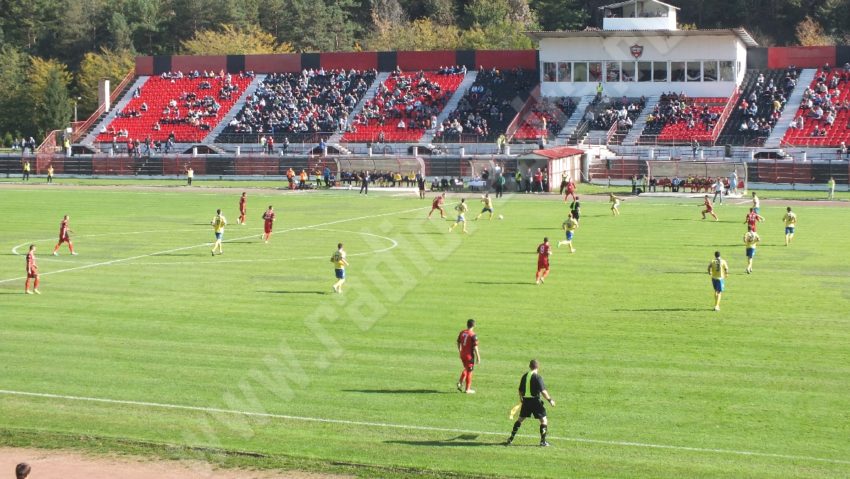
x=111 y=64
x=49 y=99
x=230 y=40
x=560 y=14
x=14 y=65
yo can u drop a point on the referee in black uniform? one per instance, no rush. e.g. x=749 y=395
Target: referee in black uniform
x=531 y=387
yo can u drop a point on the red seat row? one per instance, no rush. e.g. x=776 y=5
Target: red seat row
x=835 y=135
x=156 y=93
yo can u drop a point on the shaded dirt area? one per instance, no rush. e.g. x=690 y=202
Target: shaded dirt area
x=55 y=464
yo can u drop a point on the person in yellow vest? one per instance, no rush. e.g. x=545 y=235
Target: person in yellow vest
x=718 y=269
x=26 y=168
x=50 y=173
x=531 y=388
x=290 y=177
x=831 y=185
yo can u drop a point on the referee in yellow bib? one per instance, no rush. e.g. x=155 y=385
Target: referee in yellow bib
x=531 y=388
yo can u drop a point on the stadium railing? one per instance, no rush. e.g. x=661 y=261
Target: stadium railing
x=83 y=128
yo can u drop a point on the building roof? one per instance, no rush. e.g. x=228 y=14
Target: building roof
x=627 y=2
x=739 y=32
x=559 y=152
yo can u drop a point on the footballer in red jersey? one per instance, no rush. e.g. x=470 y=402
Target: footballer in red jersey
x=64 y=236
x=32 y=272
x=709 y=208
x=753 y=218
x=437 y=205
x=467 y=346
x=243 y=204
x=268 y=222
x=543 y=253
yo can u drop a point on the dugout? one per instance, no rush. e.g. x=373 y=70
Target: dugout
x=556 y=161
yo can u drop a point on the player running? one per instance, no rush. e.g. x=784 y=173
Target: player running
x=544 y=251
x=753 y=218
x=615 y=203
x=218 y=223
x=709 y=208
x=437 y=205
x=268 y=223
x=718 y=270
x=790 y=220
x=751 y=239
x=64 y=236
x=243 y=205
x=531 y=388
x=32 y=272
x=570 y=226
x=488 y=206
x=467 y=347
x=756 y=203
x=339 y=261
x=461 y=209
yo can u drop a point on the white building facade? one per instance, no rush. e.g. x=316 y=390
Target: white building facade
x=642 y=61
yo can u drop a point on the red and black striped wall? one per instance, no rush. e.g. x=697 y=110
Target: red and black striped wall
x=382 y=61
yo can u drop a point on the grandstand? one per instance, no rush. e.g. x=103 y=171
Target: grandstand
x=823 y=116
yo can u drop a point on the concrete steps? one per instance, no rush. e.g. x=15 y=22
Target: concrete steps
x=632 y=137
x=116 y=108
x=369 y=95
x=234 y=110
x=575 y=119
x=791 y=108
x=451 y=106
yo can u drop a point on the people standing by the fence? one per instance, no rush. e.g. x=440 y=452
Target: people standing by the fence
x=518 y=180
x=290 y=177
x=500 y=185
x=50 y=173
x=718 y=190
x=831 y=185
x=190 y=175
x=26 y=170
x=364 y=183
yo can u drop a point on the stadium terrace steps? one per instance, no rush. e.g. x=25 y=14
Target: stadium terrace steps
x=117 y=107
x=336 y=138
x=234 y=110
x=575 y=119
x=792 y=107
x=632 y=137
x=451 y=106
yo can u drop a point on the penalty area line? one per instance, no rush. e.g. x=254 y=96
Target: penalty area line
x=381 y=425
x=184 y=248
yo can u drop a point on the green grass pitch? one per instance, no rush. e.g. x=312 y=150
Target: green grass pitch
x=650 y=382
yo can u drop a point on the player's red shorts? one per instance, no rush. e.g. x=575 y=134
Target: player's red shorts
x=268 y=227
x=468 y=362
x=543 y=263
x=64 y=239
x=33 y=274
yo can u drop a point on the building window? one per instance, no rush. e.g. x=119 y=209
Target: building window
x=628 y=71
x=727 y=71
x=565 y=72
x=549 y=71
x=594 y=70
x=644 y=71
x=677 y=70
x=659 y=71
x=694 y=71
x=709 y=71
x=580 y=72
x=612 y=71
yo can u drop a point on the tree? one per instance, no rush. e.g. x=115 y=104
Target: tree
x=48 y=95
x=319 y=25
x=505 y=35
x=441 y=12
x=13 y=76
x=230 y=40
x=810 y=33
x=387 y=14
x=422 y=34
x=107 y=64
x=560 y=14
x=122 y=35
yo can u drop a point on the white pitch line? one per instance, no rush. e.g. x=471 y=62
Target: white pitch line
x=393 y=245
x=418 y=428
x=183 y=248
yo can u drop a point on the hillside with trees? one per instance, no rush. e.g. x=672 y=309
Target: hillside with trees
x=53 y=52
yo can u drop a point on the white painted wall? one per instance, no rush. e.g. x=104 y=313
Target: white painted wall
x=656 y=47
x=654 y=23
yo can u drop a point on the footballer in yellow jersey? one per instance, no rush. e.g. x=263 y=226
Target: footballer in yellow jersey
x=718 y=269
x=488 y=206
x=218 y=223
x=751 y=240
x=339 y=262
x=615 y=203
x=461 y=209
x=570 y=225
x=790 y=220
